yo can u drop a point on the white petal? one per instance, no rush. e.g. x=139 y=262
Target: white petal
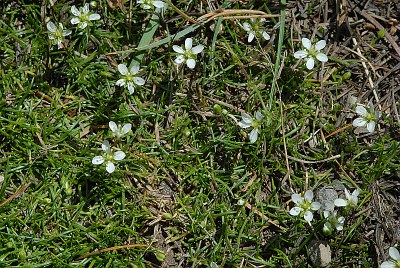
x=355 y=193
x=360 y=110
x=308 y=216
x=295 y=211
x=327 y=227
x=113 y=126
x=253 y=135
x=94 y=16
x=315 y=205
x=266 y=36
x=251 y=37
x=75 y=12
x=246 y=26
x=120 y=82
x=371 y=126
x=244 y=124
x=188 y=43
x=119 y=155
x=320 y=45
x=347 y=194
x=246 y=118
x=110 y=167
x=341 y=220
x=82 y=25
x=122 y=69
x=178 y=49
x=309 y=195
x=394 y=253
x=388 y=264
x=51 y=27
x=310 y=63
x=134 y=69
x=326 y=214
x=296 y=198
x=146 y=6
x=139 y=81
x=339 y=227
x=179 y=59
x=197 y=49
x=75 y=20
x=191 y=63
x=159 y=4
x=340 y=202
x=259 y=116
x=97 y=160
x=301 y=54
x=306 y=43
x=322 y=57
x=66 y=32
x=126 y=128
x=131 y=88
x=106 y=146
x=359 y=122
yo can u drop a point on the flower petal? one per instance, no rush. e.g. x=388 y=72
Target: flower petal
x=122 y=69
x=159 y=4
x=359 y=122
x=322 y=57
x=308 y=216
x=134 y=69
x=121 y=82
x=119 y=155
x=371 y=126
x=126 y=128
x=191 y=63
x=295 y=211
x=139 y=81
x=98 y=160
x=308 y=195
x=75 y=11
x=306 y=43
x=75 y=20
x=394 y=253
x=82 y=25
x=188 y=43
x=246 y=26
x=94 y=16
x=180 y=59
x=320 y=45
x=297 y=199
x=66 y=32
x=51 y=27
x=301 y=54
x=340 y=202
x=253 y=135
x=315 y=205
x=251 y=37
x=131 y=88
x=246 y=118
x=178 y=49
x=110 y=167
x=360 y=110
x=197 y=49
x=113 y=126
x=266 y=36
x=259 y=116
x=388 y=264
x=310 y=63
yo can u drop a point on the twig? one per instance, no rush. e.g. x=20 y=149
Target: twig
x=313 y=162
x=23 y=188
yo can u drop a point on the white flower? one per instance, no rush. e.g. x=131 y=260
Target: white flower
x=395 y=262
x=83 y=16
x=305 y=206
x=119 y=130
x=248 y=121
x=366 y=119
x=351 y=199
x=332 y=220
x=108 y=157
x=311 y=52
x=129 y=79
x=255 y=28
x=148 y=4
x=57 y=34
x=187 y=54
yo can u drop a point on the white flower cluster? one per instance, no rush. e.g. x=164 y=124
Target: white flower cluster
x=305 y=207
x=109 y=156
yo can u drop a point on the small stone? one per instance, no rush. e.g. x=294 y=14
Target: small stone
x=320 y=253
x=326 y=196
